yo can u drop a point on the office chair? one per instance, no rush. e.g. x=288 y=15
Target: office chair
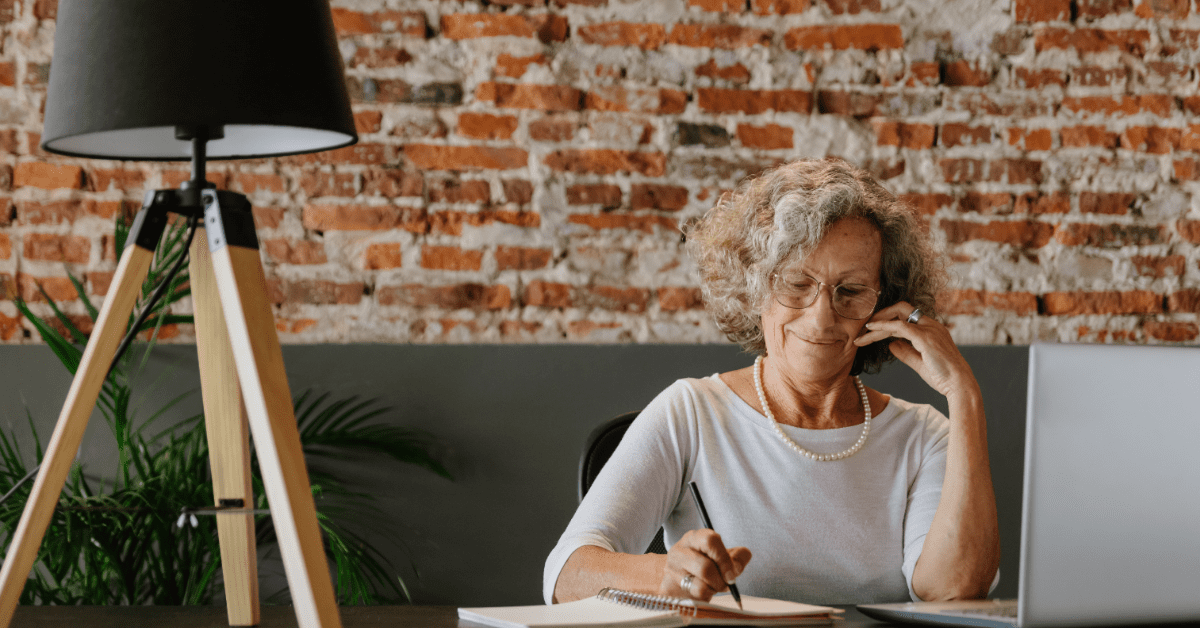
x=600 y=445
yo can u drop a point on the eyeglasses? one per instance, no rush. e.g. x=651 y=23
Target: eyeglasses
x=851 y=300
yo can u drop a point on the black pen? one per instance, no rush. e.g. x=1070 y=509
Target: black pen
x=737 y=597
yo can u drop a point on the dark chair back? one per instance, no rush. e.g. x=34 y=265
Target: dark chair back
x=601 y=443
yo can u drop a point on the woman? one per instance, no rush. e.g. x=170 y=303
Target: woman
x=841 y=494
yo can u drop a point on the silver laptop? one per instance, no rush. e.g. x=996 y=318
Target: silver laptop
x=1110 y=522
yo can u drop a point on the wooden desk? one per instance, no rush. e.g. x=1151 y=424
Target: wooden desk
x=272 y=617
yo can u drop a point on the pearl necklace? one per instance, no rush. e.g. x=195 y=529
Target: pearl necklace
x=762 y=398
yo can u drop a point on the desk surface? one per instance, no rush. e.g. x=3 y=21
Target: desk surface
x=272 y=617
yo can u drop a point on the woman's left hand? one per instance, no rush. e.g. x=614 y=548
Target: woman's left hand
x=925 y=346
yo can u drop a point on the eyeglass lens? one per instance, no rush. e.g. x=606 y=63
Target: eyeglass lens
x=852 y=300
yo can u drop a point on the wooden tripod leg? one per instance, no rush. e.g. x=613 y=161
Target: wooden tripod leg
x=228 y=439
x=268 y=402
x=68 y=432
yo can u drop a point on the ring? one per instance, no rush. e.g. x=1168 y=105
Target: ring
x=915 y=316
x=686 y=583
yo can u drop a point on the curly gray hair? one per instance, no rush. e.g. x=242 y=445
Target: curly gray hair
x=777 y=218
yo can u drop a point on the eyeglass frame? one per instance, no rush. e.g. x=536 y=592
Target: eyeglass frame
x=775 y=293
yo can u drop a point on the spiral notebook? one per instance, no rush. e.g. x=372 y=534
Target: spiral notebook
x=612 y=607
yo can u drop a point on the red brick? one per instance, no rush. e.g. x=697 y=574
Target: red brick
x=986 y=202
x=452 y=297
x=927 y=204
x=99 y=282
x=924 y=73
x=10 y=326
x=432 y=157
x=382 y=57
x=977 y=302
x=853 y=7
x=1163 y=9
x=47 y=176
x=514 y=67
x=1190 y=138
x=1024 y=233
x=582 y=329
x=767 y=137
x=294 y=326
x=1007 y=104
x=606 y=195
x=718 y=6
x=100 y=179
x=632 y=300
x=522 y=258
x=624 y=221
x=485 y=126
x=455 y=191
x=753 y=101
x=1094 y=9
x=1186 y=169
x=59 y=288
x=451 y=222
x=364 y=218
x=266 y=217
x=1158 y=266
x=392 y=183
x=1042 y=10
x=1155 y=140
x=5 y=246
x=1037 y=203
x=408 y=23
x=1105 y=202
x=526 y=96
x=295 y=252
x=450 y=258
x=1000 y=170
x=368 y=121
x=522 y=329
x=8 y=74
x=1085 y=40
x=1184 y=301
x=962 y=73
x=317 y=184
x=726 y=36
x=855 y=104
x=602 y=161
x=474 y=25
x=663 y=197
x=52 y=212
x=959 y=134
x=517 y=191
x=1031 y=139
x=383 y=256
x=1108 y=236
x=678 y=299
x=736 y=73
x=617 y=98
x=547 y=294
x=1097 y=76
x=779 y=7
x=1189 y=230
x=314 y=291
x=1172 y=331
x=1110 y=302
x=1088 y=137
x=857 y=36
x=644 y=36
x=56 y=248
x=1035 y=78
x=249 y=183
x=552 y=129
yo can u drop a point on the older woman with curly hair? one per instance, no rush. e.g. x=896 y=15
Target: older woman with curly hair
x=845 y=494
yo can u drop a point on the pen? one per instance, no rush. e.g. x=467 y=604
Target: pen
x=737 y=597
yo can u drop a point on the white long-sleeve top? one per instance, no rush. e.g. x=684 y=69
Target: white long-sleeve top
x=835 y=532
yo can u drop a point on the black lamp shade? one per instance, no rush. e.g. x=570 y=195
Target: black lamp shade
x=127 y=74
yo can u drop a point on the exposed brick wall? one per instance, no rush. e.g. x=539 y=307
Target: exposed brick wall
x=525 y=165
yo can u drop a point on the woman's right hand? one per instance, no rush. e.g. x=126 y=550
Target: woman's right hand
x=701 y=554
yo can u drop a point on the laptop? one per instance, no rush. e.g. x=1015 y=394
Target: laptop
x=1110 y=521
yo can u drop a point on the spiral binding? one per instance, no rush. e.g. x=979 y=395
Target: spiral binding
x=650 y=602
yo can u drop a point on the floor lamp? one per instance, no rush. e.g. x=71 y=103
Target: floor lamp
x=195 y=80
